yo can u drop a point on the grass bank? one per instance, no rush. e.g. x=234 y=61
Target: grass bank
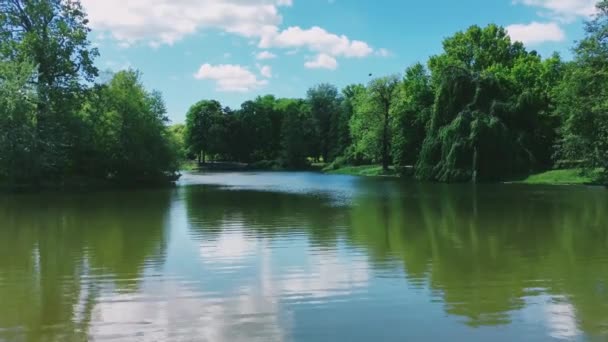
x=364 y=170
x=564 y=177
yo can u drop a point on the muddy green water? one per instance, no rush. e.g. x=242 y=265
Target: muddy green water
x=306 y=257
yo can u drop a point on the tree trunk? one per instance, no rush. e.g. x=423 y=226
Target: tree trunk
x=474 y=176
x=385 y=157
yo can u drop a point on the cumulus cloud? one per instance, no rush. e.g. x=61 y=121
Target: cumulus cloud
x=167 y=21
x=230 y=78
x=536 y=33
x=265 y=55
x=322 y=61
x=316 y=39
x=565 y=10
x=164 y=22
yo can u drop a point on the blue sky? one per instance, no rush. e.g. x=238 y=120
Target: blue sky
x=234 y=50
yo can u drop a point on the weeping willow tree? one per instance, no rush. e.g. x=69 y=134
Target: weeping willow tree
x=490 y=116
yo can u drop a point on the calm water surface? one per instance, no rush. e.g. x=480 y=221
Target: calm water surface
x=306 y=257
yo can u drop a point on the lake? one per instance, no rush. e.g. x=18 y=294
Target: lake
x=306 y=257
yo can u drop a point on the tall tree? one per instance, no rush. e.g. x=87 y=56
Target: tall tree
x=582 y=97
x=412 y=113
x=491 y=109
x=347 y=110
x=128 y=135
x=324 y=103
x=383 y=92
x=298 y=126
x=199 y=121
x=53 y=34
x=371 y=122
x=17 y=122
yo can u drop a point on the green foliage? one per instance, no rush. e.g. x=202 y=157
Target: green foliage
x=477 y=49
x=364 y=170
x=412 y=113
x=565 y=177
x=177 y=134
x=583 y=98
x=128 y=137
x=52 y=34
x=17 y=122
x=199 y=121
x=324 y=102
x=54 y=126
x=371 y=123
x=298 y=131
x=491 y=115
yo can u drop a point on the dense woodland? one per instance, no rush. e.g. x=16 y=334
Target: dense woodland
x=486 y=108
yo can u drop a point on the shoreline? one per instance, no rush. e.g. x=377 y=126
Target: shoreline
x=564 y=177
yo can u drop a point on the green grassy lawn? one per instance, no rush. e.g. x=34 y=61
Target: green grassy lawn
x=365 y=170
x=564 y=177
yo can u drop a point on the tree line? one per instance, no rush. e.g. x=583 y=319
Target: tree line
x=486 y=108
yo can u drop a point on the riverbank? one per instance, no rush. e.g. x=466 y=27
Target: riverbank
x=364 y=171
x=552 y=177
x=265 y=165
x=563 y=177
x=79 y=183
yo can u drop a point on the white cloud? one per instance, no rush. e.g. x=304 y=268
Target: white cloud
x=536 y=33
x=565 y=10
x=316 y=39
x=322 y=61
x=266 y=71
x=265 y=55
x=167 y=21
x=230 y=78
x=164 y=22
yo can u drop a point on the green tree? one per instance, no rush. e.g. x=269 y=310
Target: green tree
x=178 y=136
x=324 y=103
x=491 y=114
x=347 y=110
x=477 y=49
x=129 y=138
x=53 y=34
x=413 y=111
x=199 y=121
x=582 y=97
x=17 y=122
x=298 y=127
x=371 y=124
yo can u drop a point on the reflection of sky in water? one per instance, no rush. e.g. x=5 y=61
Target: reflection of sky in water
x=236 y=286
x=339 y=188
x=555 y=314
x=365 y=267
x=233 y=288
